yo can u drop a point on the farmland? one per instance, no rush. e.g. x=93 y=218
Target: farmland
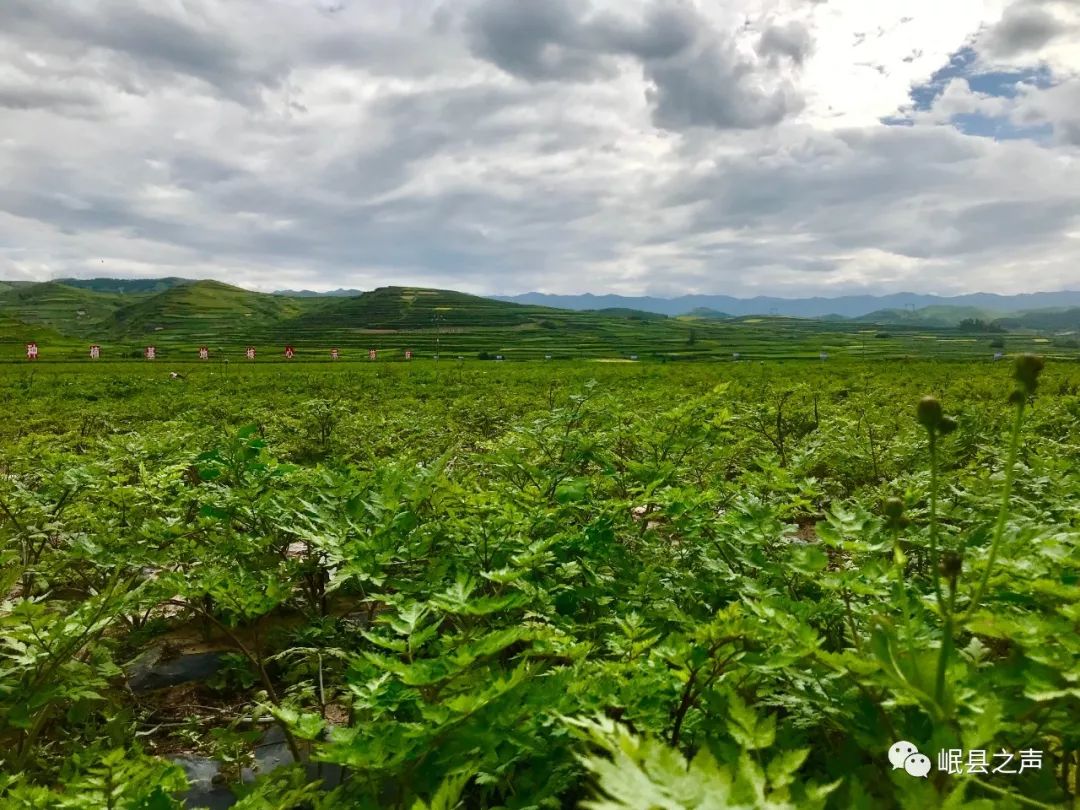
x=537 y=584
x=65 y=320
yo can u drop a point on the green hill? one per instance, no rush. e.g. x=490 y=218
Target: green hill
x=451 y=324
x=707 y=314
x=1044 y=320
x=940 y=316
x=414 y=308
x=430 y=321
x=629 y=314
x=207 y=311
x=125 y=285
x=68 y=310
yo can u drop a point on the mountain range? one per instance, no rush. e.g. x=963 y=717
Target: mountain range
x=845 y=306
x=870 y=307
x=202 y=310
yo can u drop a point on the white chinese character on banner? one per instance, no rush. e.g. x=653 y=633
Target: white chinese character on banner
x=1030 y=759
x=1005 y=755
x=950 y=760
x=977 y=762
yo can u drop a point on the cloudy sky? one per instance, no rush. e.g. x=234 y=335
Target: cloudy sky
x=660 y=147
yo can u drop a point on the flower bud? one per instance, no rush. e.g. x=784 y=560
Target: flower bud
x=1026 y=371
x=951 y=563
x=893 y=508
x=929 y=413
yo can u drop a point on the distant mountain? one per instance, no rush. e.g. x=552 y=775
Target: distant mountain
x=848 y=306
x=340 y=292
x=125 y=285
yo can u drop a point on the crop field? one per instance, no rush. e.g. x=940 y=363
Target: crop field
x=519 y=585
x=64 y=321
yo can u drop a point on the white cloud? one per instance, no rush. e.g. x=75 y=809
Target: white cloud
x=652 y=145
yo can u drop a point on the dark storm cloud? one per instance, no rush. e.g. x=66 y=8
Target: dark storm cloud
x=714 y=88
x=667 y=29
x=696 y=76
x=536 y=41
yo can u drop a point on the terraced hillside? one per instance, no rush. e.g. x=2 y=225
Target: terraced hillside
x=15 y=334
x=137 y=286
x=451 y=324
x=68 y=310
x=428 y=321
x=204 y=311
x=400 y=308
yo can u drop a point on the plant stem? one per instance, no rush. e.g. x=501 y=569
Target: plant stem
x=946 y=643
x=935 y=569
x=1015 y=797
x=256 y=659
x=851 y=621
x=1003 y=511
x=946 y=611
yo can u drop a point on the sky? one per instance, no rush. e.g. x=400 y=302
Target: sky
x=640 y=147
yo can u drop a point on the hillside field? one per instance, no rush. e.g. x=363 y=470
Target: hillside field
x=177 y=317
x=538 y=585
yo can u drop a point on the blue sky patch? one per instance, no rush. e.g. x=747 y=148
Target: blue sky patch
x=997 y=83
x=1000 y=128
x=923 y=95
